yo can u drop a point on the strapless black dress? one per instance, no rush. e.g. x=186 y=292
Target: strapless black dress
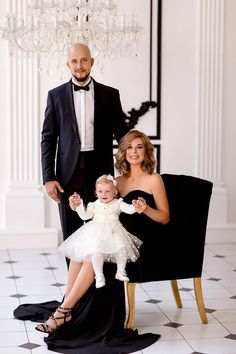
x=150 y=232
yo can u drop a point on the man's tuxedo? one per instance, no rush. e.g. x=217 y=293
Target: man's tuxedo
x=60 y=144
x=60 y=136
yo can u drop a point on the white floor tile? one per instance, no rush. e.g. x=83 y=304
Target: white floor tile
x=225 y=316
x=11 y=325
x=169 y=347
x=168 y=295
x=150 y=319
x=6 y=312
x=203 y=331
x=188 y=317
x=192 y=335
x=42 y=350
x=167 y=333
x=12 y=339
x=214 y=345
x=215 y=293
x=231 y=327
x=144 y=307
x=13 y=350
x=220 y=304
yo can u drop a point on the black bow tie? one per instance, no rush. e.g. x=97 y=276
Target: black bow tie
x=77 y=87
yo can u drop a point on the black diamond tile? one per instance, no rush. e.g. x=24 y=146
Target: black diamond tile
x=57 y=284
x=233 y=297
x=10 y=262
x=13 y=277
x=214 y=279
x=173 y=324
x=153 y=301
x=18 y=296
x=185 y=289
x=231 y=336
x=219 y=256
x=210 y=310
x=29 y=345
x=44 y=254
x=50 y=268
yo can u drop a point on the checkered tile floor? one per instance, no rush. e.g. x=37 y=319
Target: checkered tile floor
x=39 y=275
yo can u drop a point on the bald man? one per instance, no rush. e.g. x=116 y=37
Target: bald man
x=81 y=118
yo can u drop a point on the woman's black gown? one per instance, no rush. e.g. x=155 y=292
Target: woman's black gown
x=97 y=325
x=149 y=231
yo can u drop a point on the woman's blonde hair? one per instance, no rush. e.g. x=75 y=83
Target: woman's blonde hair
x=149 y=162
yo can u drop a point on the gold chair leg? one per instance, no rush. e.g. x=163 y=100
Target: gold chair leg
x=175 y=290
x=199 y=298
x=131 y=304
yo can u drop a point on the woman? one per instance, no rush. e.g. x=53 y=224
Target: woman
x=136 y=163
x=96 y=324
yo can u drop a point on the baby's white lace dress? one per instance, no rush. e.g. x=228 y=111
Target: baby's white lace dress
x=103 y=234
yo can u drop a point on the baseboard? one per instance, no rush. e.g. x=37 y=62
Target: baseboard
x=221 y=234
x=45 y=238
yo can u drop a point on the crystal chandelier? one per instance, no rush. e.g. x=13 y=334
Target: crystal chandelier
x=49 y=27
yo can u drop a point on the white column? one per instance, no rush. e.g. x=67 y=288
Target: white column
x=210 y=116
x=24 y=200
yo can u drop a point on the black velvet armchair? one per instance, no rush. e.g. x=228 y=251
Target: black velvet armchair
x=182 y=241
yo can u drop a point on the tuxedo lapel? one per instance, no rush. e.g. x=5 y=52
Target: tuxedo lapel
x=98 y=108
x=71 y=107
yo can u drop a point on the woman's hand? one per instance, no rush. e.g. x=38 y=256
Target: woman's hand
x=74 y=201
x=140 y=205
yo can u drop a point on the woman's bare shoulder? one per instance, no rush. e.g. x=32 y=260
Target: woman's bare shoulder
x=155 y=176
x=156 y=179
x=119 y=178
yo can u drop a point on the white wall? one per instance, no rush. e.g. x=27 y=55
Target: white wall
x=229 y=108
x=179 y=118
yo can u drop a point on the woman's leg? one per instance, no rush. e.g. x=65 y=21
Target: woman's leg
x=78 y=286
x=73 y=271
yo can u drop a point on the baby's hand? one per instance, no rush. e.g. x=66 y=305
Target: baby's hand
x=140 y=205
x=74 y=201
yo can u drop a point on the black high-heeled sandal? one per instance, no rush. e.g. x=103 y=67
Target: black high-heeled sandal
x=46 y=328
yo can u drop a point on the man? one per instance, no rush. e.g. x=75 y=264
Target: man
x=81 y=118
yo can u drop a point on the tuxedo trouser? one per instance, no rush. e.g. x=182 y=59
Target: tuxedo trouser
x=83 y=182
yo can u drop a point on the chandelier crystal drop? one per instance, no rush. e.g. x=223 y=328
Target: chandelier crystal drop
x=50 y=27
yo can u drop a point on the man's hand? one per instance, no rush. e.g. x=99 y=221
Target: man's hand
x=52 y=187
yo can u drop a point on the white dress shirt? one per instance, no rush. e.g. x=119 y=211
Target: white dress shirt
x=84 y=111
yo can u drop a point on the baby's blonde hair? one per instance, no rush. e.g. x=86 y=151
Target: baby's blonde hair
x=106 y=179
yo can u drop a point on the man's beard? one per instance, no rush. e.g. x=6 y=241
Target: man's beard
x=81 y=79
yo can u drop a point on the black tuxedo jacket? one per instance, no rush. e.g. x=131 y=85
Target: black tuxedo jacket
x=60 y=144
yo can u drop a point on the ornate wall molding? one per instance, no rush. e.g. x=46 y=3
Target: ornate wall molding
x=210 y=115
x=210 y=90
x=24 y=201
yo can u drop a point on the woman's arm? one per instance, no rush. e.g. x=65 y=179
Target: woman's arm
x=161 y=214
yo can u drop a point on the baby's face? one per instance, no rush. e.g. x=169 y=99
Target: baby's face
x=105 y=192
